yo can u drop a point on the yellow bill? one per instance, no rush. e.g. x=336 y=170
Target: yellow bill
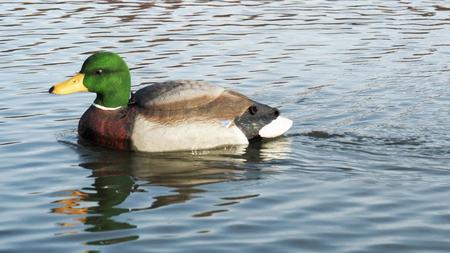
x=74 y=84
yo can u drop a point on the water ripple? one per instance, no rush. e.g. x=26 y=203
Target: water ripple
x=364 y=169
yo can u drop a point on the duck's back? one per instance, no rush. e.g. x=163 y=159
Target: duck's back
x=177 y=95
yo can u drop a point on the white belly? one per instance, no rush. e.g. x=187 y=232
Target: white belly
x=155 y=137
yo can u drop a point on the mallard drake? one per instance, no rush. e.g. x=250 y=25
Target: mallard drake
x=167 y=116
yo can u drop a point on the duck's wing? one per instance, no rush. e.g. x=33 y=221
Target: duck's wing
x=189 y=100
x=176 y=95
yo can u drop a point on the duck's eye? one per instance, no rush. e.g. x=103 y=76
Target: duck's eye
x=99 y=72
x=253 y=109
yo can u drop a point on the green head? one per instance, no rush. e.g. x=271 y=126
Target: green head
x=104 y=73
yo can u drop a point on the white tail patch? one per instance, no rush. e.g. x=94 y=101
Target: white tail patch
x=275 y=128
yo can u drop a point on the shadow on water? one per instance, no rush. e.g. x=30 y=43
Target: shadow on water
x=117 y=175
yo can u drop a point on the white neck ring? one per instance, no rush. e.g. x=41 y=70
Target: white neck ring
x=101 y=107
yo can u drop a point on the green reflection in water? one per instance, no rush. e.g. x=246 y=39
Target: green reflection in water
x=114 y=240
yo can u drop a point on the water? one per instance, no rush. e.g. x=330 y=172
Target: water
x=364 y=169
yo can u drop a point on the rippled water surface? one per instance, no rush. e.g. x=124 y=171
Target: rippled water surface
x=364 y=169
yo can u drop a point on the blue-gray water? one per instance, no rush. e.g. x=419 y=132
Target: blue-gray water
x=364 y=169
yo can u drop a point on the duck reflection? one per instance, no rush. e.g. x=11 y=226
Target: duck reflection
x=117 y=175
x=107 y=192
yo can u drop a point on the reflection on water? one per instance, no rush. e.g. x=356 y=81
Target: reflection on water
x=117 y=175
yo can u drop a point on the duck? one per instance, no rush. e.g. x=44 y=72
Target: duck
x=166 y=116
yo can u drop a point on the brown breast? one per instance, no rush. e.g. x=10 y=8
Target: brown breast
x=107 y=128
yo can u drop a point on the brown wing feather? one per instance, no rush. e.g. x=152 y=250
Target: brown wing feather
x=176 y=95
x=177 y=101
